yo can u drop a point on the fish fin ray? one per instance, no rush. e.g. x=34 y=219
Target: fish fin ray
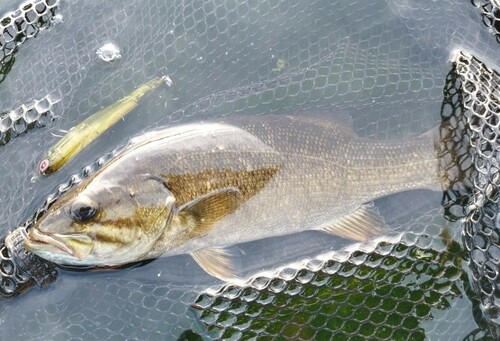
x=216 y=261
x=361 y=225
x=210 y=208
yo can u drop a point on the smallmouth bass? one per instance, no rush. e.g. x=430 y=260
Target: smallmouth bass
x=199 y=187
x=92 y=127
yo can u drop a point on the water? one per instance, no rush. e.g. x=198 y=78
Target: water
x=384 y=64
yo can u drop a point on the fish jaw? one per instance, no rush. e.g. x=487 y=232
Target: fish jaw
x=59 y=248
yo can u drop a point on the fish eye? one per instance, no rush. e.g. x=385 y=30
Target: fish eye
x=82 y=210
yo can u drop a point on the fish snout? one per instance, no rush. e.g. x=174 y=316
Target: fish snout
x=44 y=244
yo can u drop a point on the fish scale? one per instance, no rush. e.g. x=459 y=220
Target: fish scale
x=206 y=186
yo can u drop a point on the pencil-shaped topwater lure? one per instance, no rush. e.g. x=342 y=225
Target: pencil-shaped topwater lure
x=88 y=130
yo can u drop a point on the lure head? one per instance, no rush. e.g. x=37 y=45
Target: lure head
x=58 y=155
x=65 y=149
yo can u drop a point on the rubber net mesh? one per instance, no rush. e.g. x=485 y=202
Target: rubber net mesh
x=397 y=68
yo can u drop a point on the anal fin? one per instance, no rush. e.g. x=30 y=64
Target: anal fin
x=216 y=261
x=363 y=224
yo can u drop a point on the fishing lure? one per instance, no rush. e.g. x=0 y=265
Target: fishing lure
x=88 y=130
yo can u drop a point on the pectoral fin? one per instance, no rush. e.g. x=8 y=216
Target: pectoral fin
x=204 y=211
x=216 y=262
x=361 y=225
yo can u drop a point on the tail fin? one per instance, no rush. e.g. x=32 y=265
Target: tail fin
x=452 y=147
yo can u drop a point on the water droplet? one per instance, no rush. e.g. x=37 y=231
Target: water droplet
x=109 y=52
x=58 y=19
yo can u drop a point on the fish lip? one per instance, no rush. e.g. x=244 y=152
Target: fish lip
x=45 y=239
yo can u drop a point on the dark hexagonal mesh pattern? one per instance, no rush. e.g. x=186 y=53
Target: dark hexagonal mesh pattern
x=15 y=28
x=385 y=63
x=490 y=12
x=481 y=228
x=28 y=116
x=19 y=269
x=382 y=290
x=18 y=26
x=25 y=23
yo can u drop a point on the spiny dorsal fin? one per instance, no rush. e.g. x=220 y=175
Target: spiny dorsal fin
x=201 y=213
x=216 y=261
x=187 y=186
x=361 y=225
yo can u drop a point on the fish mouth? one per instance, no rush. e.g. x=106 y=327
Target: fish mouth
x=76 y=245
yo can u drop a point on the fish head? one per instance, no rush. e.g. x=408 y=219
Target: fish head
x=103 y=223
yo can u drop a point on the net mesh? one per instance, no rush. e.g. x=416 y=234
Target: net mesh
x=385 y=290
x=385 y=63
x=20 y=269
x=28 y=116
x=481 y=234
x=25 y=23
x=490 y=12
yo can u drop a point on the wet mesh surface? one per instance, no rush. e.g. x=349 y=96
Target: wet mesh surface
x=490 y=12
x=24 y=23
x=20 y=269
x=386 y=290
x=481 y=234
x=384 y=63
x=28 y=116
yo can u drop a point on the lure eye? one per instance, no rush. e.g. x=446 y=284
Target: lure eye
x=83 y=210
x=43 y=166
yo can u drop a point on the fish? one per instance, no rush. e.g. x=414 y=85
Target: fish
x=199 y=188
x=88 y=130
